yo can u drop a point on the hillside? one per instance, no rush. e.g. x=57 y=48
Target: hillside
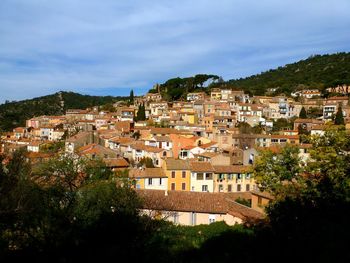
x=314 y=72
x=14 y=114
x=319 y=71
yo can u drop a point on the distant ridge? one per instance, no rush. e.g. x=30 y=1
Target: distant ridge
x=14 y=114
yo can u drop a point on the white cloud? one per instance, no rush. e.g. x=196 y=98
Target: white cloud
x=95 y=45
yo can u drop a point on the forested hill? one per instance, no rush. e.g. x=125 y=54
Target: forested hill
x=13 y=114
x=318 y=71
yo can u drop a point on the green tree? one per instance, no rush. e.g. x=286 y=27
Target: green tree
x=141 y=113
x=339 y=119
x=278 y=172
x=147 y=162
x=303 y=114
x=131 y=97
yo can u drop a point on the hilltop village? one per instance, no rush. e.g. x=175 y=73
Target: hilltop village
x=191 y=158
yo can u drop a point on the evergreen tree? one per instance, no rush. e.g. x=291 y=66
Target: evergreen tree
x=302 y=113
x=339 y=119
x=141 y=113
x=131 y=97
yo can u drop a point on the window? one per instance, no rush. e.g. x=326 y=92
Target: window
x=212 y=219
x=229 y=188
x=229 y=176
x=167 y=144
x=247 y=176
x=173 y=186
x=208 y=176
x=173 y=174
x=239 y=176
x=247 y=187
x=193 y=218
x=160 y=181
x=164 y=154
x=149 y=181
x=204 y=188
x=183 y=186
x=221 y=188
x=199 y=176
x=238 y=188
x=183 y=174
x=192 y=188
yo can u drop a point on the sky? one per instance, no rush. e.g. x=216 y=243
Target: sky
x=108 y=47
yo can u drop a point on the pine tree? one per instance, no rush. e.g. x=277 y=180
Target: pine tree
x=339 y=119
x=302 y=113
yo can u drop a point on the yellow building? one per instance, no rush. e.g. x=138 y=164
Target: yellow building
x=233 y=178
x=149 y=178
x=178 y=174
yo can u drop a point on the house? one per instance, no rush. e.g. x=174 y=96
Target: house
x=202 y=177
x=149 y=178
x=178 y=174
x=195 y=96
x=116 y=164
x=233 y=178
x=34 y=146
x=93 y=151
x=195 y=208
x=260 y=200
x=78 y=140
x=307 y=124
x=140 y=151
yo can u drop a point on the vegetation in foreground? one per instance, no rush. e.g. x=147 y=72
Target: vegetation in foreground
x=56 y=212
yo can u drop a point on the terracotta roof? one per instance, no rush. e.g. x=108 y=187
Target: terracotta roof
x=227 y=169
x=162 y=138
x=147 y=173
x=147 y=148
x=201 y=167
x=116 y=162
x=200 y=202
x=177 y=164
x=208 y=145
x=164 y=131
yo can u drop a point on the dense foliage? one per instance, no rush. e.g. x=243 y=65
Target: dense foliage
x=14 y=114
x=177 y=88
x=319 y=71
x=69 y=210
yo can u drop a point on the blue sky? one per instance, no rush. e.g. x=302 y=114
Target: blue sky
x=108 y=47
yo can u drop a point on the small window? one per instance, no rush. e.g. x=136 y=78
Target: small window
x=183 y=174
x=238 y=188
x=173 y=186
x=183 y=186
x=247 y=187
x=212 y=219
x=204 y=188
x=229 y=188
x=149 y=181
x=199 y=176
x=173 y=174
x=160 y=181
x=221 y=188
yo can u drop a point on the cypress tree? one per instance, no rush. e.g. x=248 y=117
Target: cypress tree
x=302 y=113
x=131 y=97
x=339 y=119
